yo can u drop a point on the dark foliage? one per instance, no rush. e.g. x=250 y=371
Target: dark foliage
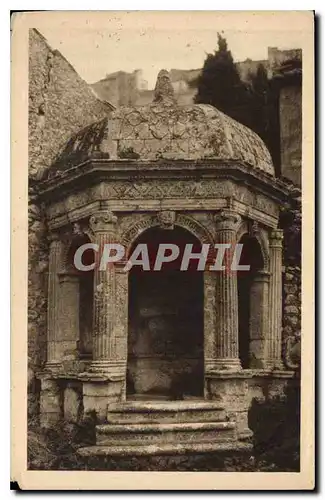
x=276 y=427
x=221 y=86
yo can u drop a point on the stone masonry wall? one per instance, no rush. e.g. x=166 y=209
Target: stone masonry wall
x=290 y=221
x=60 y=104
x=290 y=111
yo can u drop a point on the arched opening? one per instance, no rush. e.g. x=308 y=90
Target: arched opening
x=85 y=294
x=251 y=297
x=165 y=339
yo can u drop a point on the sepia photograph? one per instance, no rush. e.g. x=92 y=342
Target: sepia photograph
x=165 y=198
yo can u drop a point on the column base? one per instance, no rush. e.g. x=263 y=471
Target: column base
x=53 y=366
x=223 y=364
x=272 y=365
x=108 y=367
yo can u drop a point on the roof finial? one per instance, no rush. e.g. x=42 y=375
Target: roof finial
x=164 y=91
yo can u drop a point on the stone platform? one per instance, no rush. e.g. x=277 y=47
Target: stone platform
x=140 y=428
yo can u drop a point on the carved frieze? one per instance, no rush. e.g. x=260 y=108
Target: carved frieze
x=162 y=189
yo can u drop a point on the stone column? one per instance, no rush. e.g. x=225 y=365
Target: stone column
x=209 y=324
x=259 y=319
x=105 y=349
x=121 y=327
x=227 y=346
x=53 y=358
x=69 y=315
x=274 y=350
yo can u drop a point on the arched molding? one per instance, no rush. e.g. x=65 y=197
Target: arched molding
x=242 y=230
x=257 y=233
x=74 y=235
x=136 y=228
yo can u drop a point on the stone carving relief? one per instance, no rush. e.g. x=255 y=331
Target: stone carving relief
x=166 y=219
x=164 y=90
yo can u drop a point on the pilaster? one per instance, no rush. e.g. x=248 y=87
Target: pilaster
x=274 y=348
x=53 y=357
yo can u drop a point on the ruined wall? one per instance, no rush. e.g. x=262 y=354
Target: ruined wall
x=60 y=103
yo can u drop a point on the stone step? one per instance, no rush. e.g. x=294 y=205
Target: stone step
x=165 y=412
x=164 y=449
x=136 y=434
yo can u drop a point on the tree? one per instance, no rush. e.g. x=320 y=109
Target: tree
x=220 y=84
x=259 y=102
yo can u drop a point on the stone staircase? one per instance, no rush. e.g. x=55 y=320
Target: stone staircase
x=138 y=428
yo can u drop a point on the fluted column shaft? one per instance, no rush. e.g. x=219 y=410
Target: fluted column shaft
x=69 y=315
x=105 y=355
x=274 y=350
x=227 y=346
x=53 y=359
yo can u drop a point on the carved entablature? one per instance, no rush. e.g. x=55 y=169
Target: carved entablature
x=150 y=195
x=161 y=189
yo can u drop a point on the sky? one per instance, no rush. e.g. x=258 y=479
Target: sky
x=98 y=43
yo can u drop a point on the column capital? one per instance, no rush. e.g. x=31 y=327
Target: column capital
x=102 y=221
x=53 y=237
x=275 y=238
x=227 y=219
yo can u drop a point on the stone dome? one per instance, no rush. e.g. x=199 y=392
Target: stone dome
x=166 y=130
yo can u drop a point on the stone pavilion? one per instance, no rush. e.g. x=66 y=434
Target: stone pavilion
x=168 y=361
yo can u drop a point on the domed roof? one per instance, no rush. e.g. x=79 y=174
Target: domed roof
x=166 y=130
